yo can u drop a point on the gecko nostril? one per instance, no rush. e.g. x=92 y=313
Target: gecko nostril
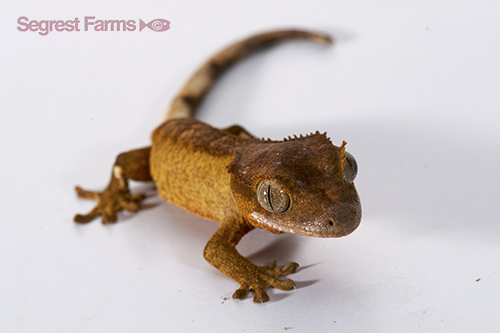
x=330 y=223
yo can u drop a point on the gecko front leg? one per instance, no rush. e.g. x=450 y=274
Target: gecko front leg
x=130 y=165
x=221 y=253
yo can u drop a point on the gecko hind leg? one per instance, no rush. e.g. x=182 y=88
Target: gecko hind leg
x=132 y=165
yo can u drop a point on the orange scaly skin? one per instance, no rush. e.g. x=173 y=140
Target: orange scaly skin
x=298 y=185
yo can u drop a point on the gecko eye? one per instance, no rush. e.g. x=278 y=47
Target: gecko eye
x=350 y=168
x=272 y=197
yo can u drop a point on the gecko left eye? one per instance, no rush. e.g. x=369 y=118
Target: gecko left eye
x=272 y=197
x=350 y=168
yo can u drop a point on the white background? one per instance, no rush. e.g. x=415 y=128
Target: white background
x=412 y=86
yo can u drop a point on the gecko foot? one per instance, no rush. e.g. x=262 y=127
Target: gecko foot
x=267 y=276
x=109 y=202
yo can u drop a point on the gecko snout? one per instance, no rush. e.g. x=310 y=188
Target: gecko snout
x=344 y=219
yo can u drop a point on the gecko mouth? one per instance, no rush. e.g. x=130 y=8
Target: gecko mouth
x=315 y=228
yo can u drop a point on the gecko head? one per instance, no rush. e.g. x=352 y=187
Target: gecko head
x=302 y=186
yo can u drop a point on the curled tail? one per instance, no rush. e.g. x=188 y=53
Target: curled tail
x=187 y=100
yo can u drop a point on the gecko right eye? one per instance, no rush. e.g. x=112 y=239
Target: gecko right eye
x=272 y=197
x=350 y=168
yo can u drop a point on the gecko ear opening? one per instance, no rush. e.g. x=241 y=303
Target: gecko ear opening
x=272 y=197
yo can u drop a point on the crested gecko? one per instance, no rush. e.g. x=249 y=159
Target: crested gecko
x=301 y=185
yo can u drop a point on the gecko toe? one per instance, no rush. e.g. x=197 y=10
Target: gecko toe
x=285 y=285
x=87 y=217
x=260 y=296
x=131 y=206
x=288 y=269
x=271 y=266
x=83 y=218
x=109 y=217
x=84 y=194
x=240 y=293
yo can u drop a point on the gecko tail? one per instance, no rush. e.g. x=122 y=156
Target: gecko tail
x=188 y=99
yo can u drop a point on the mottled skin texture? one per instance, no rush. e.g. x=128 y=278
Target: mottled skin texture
x=215 y=174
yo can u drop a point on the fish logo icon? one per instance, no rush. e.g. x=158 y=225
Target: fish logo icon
x=157 y=25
